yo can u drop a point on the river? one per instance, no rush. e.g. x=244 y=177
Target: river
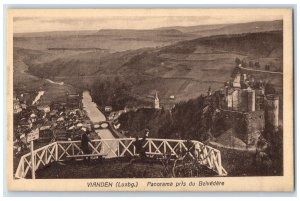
x=91 y=108
x=96 y=116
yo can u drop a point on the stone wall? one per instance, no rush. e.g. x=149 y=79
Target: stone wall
x=246 y=126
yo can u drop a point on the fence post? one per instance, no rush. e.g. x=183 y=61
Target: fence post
x=22 y=168
x=46 y=156
x=134 y=150
x=118 y=151
x=32 y=160
x=73 y=151
x=219 y=164
x=56 y=151
x=150 y=146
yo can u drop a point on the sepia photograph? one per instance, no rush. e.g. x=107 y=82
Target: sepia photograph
x=150 y=99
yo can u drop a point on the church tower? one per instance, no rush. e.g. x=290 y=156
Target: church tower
x=156 y=101
x=209 y=91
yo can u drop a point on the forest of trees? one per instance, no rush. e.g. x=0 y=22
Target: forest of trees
x=199 y=119
x=270 y=66
x=113 y=92
x=195 y=119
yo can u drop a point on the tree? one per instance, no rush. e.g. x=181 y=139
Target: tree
x=267 y=67
x=272 y=65
x=250 y=64
x=244 y=63
x=237 y=61
x=269 y=88
x=257 y=65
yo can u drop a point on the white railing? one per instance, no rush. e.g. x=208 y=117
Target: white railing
x=111 y=148
x=42 y=157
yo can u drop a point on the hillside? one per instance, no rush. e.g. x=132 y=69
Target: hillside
x=185 y=69
x=263 y=44
x=115 y=40
x=221 y=29
x=111 y=40
x=141 y=34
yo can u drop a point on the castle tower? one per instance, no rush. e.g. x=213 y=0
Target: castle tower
x=273 y=110
x=244 y=77
x=156 y=101
x=237 y=80
x=235 y=100
x=251 y=100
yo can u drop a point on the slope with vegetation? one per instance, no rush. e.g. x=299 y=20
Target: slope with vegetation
x=184 y=69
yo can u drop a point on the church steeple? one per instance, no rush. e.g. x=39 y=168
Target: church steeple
x=156 y=101
x=209 y=91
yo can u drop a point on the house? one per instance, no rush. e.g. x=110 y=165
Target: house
x=74 y=101
x=16 y=105
x=44 y=108
x=108 y=108
x=172 y=97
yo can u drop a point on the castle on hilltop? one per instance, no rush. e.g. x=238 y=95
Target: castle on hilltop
x=245 y=108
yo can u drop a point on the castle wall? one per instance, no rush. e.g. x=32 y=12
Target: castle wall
x=251 y=101
x=242 y=100
x=243 y=104
x=259 y=97
x=246 y=126
x=229 y=102
x=235 y=100
x=255 y=122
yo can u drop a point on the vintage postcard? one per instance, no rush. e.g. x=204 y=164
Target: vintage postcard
x=150 y=99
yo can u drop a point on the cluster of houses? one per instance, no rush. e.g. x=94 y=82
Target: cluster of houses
x=57 y=121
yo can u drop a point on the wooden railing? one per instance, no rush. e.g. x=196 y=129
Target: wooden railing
x=112 y=148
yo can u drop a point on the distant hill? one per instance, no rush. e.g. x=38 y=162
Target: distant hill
x=185 y=69
x=115 y=40
x=55 y=33
x=261 y=44
x=111 y=40
x=139 y=33
x=221 y=29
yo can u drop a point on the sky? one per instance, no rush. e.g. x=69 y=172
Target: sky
x=74 y=21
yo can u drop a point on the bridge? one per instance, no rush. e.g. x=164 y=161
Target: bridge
x=121 y=147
